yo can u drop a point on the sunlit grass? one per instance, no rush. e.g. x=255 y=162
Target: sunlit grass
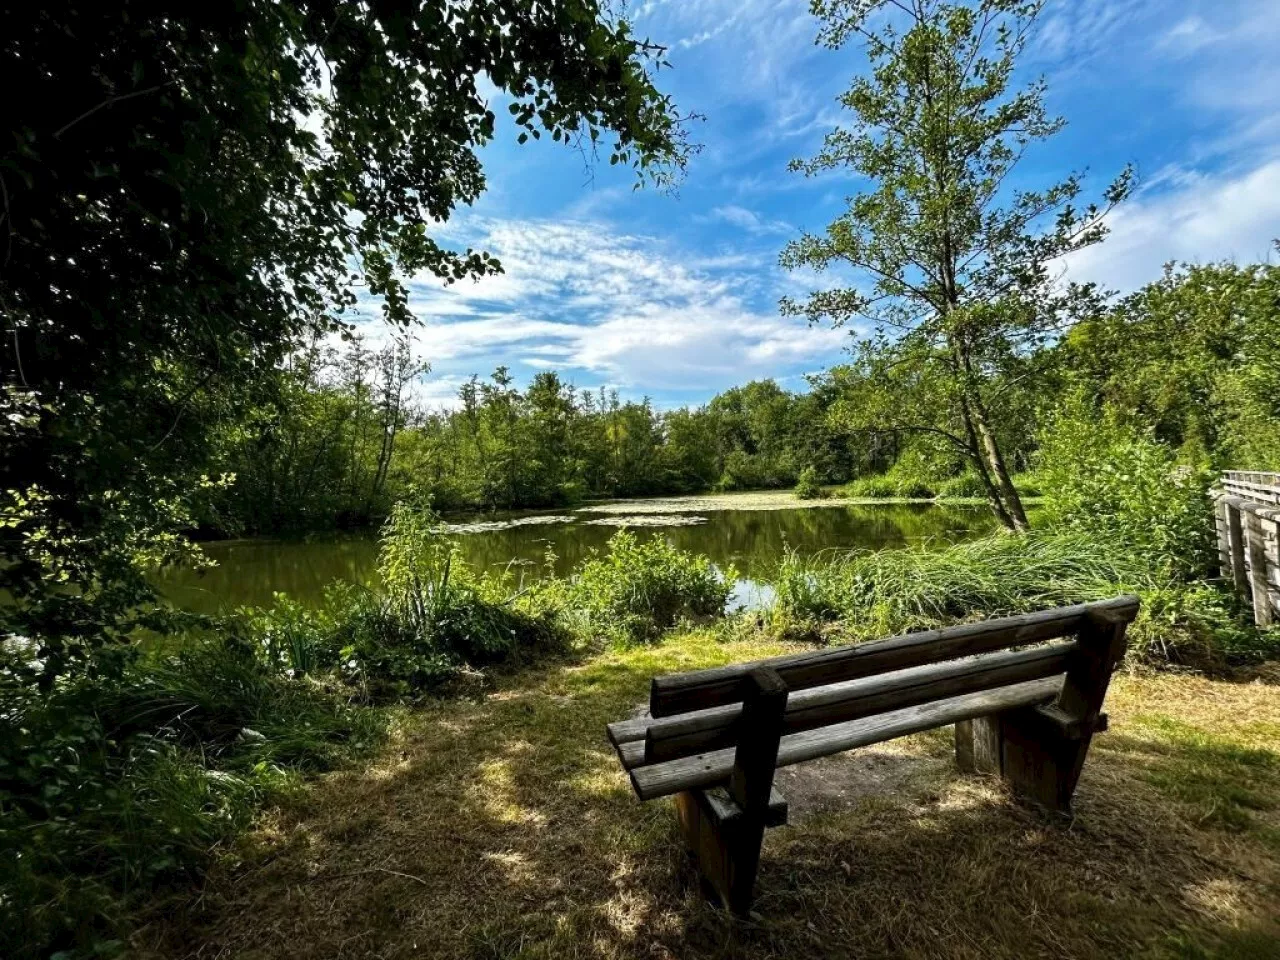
x=505 y=828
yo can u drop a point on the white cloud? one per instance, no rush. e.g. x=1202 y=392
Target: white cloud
x=630 y=309
x=1198 y=219
x=750 y=221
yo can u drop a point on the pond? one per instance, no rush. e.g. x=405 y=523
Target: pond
x=748 y=530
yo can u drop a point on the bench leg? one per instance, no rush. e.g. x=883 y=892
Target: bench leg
x=1041 y=751
x=1029 y=750
x=726 y=848
x=726 y=835
x=978 y=745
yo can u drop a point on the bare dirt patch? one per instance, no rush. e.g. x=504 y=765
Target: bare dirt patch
x=892 y=771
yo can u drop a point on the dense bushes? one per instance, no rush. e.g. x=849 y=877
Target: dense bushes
x=1123 y=486
x=639 y=589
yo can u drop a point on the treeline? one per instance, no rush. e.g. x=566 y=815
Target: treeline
x=339 y=440
x=1193 y=358
x=1191 y=361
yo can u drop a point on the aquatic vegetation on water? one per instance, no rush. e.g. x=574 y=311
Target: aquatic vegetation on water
x=763 y=500
x=486 y=526
x=647 y=520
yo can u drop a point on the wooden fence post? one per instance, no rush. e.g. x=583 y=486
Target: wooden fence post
x=1256 y=544
x=1234 y=536
x=1235 y=530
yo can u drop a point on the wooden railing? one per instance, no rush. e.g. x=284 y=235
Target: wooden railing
x=1248 y=521
x=1257 y=487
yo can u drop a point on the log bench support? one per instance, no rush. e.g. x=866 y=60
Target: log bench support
x=724 y=829
x=1040 y=750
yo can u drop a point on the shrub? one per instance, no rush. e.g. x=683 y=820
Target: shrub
x=432 y=616
x=294 y=639
x=807 y=486
x=639 y=589
x=1123 y=486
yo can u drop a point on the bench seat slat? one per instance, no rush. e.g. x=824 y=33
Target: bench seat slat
x=675 y=737
x=712 y=768
x=702 y=689
x=623 y=731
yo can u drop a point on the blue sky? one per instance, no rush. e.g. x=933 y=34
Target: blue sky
x=675 y=297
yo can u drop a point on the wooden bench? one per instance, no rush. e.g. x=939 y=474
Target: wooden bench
x=714 y=737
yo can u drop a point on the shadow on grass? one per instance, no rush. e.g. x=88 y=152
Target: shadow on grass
x=505 y=829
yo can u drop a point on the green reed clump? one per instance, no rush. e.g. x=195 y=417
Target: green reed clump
x=964 y=486
x=640 y=588
x=891 y=591
x=863 y=595
x=896 y=484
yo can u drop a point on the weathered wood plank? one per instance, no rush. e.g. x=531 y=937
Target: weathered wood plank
x=714 y=767
x=682 y=693
x=1255 y=547
x=636 y=728
x=1235 y=545
x=631 y=754
x=668 y=739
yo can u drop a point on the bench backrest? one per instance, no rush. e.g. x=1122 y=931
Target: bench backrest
x=700 y=714
x=683 y=692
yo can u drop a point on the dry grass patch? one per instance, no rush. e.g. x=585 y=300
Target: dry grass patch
x=504 y=828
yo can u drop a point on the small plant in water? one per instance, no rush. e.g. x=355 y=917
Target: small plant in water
x=807 y=486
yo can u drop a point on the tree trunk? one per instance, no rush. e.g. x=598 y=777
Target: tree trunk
x=995 y=462
x=993 y=494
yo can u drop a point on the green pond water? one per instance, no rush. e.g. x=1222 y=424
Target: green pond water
x=748 y=530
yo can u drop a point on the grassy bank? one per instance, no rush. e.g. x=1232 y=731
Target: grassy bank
x=120 y=787
x=847 y=597
x=503 y=827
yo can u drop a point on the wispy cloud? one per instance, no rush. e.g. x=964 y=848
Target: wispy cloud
x=1201 y=219
x=625 y=308
x=750 y=221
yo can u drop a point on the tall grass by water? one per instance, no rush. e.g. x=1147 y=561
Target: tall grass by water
x=923 y=586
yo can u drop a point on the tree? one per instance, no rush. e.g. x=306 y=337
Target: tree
x=191 y=190
x=955 y=259
x=1195 y=356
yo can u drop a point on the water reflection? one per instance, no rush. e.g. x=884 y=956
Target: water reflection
x=250 y=571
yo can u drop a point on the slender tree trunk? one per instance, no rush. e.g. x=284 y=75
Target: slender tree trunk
x=993 y=494
x=995 y=461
